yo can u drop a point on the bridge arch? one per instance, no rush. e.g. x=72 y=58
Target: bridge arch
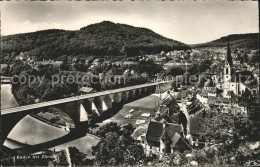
x=148 y=91
x=10 y=121
x=143 y=92
x=74 y=110
x=152 y=89
x=108 y=101
x=98 y=103
x=124 y=97
x=131 y=95
x=87 y=104
x=138 y=93
x=116 y=97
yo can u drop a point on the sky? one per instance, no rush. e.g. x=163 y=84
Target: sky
x=190 y=22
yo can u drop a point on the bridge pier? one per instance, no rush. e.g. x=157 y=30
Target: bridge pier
x=106 y=103
x=77 y=111
x=103 y=103
x=124 y=97
x=90 y=106
x=131 y=95
x=138 y=93
x=116 y=98
x=145 y=91
x=83 y=114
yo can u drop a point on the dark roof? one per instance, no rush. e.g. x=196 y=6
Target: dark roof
x=194 y=107
x=214 y=90
x=155 y=131
x=171 y=129
x=138 y=132
x=204 y=92
x=241 y=76
x=223 y=100
x=229 y=57
x=251 y=86
x=212 y=100
x=179 y=143
x=198 y=123
x=209 y=83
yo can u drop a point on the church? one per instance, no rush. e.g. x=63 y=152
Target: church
x=234 y=80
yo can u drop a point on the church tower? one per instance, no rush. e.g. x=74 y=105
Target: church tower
x=227 y=72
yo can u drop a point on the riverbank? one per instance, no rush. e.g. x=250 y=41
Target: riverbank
x=8 y=100
x=138 y=111
x=31 y=131
x=84 y=144
x=57 y=125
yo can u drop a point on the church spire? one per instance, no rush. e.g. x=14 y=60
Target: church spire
x=229 y=57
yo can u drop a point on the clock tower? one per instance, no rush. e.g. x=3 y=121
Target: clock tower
x=227 y=72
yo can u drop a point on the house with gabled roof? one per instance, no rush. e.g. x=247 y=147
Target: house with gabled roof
x=162 y=138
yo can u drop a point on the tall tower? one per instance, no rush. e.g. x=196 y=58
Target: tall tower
x=227 y=72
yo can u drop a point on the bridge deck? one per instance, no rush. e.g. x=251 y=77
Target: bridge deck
x=75 y=98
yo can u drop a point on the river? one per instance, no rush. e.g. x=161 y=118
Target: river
x=31 y=131
x=7 y=98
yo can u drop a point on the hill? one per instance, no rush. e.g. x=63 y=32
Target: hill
x=105 y=38
x=236 y=41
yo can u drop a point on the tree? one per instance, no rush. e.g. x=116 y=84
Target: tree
x=134 y=154
x=245 y=58
x=110 y=127
x=204 y=65
x=64 y=65
x=78 y=158
x=116 y=146
x=80 y=67
x=127 y=130
x=18 y=68
x=6 y=70
x=65 y=60
x=246 y=97
x=193 y=70
x=175 y=71
x=62 y=160
x=231 y=94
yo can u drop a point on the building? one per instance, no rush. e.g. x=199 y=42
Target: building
x=233 y=80
x=210 y=88
x=86 y=90
x=129 y=62
x=166 y=132
x=162 y=138
x=23 y=56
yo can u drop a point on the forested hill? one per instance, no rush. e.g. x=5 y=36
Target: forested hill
x=236 y=41
x=105 y=38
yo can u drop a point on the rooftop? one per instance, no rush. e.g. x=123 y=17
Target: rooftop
x=155 y=131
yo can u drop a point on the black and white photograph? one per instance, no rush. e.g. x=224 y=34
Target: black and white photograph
x=130 y=83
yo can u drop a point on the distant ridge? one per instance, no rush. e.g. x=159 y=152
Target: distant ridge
x=249 y=40
x=105 y=38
